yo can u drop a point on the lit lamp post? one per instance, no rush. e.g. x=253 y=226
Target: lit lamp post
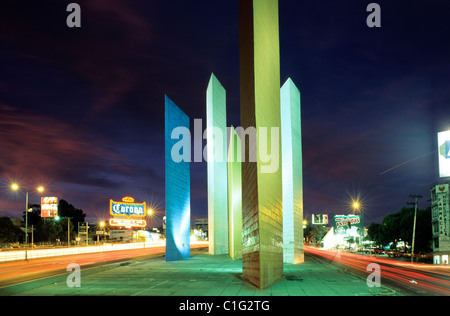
x=102 y=225
x=15 y=187
x=150 y=214
x=356 y=207
x=68 y=228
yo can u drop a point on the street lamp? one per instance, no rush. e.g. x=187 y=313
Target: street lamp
x=151 y=214
x=15 y=187
x=57 y=218
x=102 y=225
x=356 y=207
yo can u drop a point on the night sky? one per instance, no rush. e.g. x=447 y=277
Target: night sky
x=82 y=109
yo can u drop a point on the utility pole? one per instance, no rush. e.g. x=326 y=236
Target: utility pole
x=68 y=232
x=416 y=197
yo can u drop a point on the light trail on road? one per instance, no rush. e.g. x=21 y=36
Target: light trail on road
x=415 y=276
x=20 y=271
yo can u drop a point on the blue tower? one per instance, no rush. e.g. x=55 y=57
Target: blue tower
x=178 y=202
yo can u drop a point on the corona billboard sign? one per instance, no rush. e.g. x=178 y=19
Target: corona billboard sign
x=128 y=209
x=127 y=213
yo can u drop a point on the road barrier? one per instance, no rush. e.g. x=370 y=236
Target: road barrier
x=76 y=250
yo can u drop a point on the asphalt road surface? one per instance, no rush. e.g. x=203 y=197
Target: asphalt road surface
x=409 y=278
x=21 y=271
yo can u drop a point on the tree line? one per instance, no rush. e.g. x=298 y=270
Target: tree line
x=399 y=227
x=44 y=229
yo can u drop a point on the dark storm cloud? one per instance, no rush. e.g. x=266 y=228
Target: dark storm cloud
x=65 y=96
x=106 y=55
x=33 y=145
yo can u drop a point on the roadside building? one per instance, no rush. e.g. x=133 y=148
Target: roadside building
x=440 y=220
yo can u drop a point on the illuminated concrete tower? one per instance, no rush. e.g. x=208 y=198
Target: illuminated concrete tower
x=177 y=164
x=291 y=144
x=216 y=137
x=262 y=210
x=234 y=195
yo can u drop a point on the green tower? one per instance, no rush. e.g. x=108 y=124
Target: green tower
x=291 y=144
x=234 y=195
x=216 y=135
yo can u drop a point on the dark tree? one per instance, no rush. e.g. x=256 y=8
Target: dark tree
x=9 y=232
x=399 y=226
x=68 y=210
x=50 y=229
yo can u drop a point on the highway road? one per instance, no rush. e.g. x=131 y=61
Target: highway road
x=405 y=277
x=21 y=271
x=409 y=278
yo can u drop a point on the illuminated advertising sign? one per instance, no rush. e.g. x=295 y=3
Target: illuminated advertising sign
x=442 y=206
x=123 y=211
x=444 y=154
x=127 y=209
x=49 y=207
x=127 y=223
x=348 y=225
x=320 y=219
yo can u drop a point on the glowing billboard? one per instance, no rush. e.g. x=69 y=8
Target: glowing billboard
x=444 y=154
x=349 y=225
x=320 y=219
x=127 y=209
x=127 y=223
x=49 y=207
